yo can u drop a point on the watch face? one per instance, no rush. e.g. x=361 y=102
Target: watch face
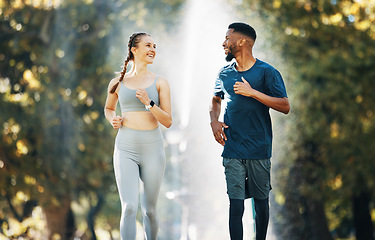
x=152 y=103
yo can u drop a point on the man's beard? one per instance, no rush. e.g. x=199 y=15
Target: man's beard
x=229 y=57
x=230 y=54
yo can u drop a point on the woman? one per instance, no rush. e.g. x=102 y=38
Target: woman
x=139 y=154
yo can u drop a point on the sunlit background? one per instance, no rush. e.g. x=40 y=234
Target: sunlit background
x=57 y=58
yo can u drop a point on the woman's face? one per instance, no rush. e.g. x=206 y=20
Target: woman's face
x=146 y=50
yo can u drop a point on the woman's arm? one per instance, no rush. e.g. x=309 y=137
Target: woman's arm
x=162 y=112
x=110 y=106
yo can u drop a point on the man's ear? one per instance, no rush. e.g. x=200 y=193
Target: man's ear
x=242 y=42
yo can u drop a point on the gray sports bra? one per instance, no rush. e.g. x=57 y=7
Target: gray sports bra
x=130 y=103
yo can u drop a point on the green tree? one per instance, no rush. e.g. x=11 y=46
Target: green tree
x=330 y=46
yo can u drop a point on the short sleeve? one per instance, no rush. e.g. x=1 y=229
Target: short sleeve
x=275 y=83
x=218 y=90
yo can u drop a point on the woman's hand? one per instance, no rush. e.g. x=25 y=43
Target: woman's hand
x=142 y=95
x=116 y=122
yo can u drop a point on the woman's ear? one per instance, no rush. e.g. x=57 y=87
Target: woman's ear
x=133 y=50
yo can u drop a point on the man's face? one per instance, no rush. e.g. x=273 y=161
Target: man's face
x=230 y=45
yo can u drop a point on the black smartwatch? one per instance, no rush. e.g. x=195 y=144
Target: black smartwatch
x=150 y=105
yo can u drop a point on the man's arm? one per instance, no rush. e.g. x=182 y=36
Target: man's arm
x=216 y=126
x=278 y=104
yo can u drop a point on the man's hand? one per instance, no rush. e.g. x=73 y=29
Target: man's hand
x=280 y=104
x=243 y=88
x=217 y=130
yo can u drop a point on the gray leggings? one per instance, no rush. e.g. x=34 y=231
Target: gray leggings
x=139 y=154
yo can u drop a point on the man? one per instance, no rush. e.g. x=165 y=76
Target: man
x=252 y=87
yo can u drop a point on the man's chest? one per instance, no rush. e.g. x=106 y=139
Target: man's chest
x=256 y=81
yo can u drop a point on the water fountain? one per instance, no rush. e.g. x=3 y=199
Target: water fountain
x=198 y=57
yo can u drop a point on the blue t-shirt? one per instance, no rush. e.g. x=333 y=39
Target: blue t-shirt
x=249 y=135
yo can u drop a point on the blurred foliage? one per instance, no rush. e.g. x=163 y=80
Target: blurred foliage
x=329 y=45
x=56 y=60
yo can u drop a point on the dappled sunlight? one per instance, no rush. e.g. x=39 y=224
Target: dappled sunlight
x=58 y=56
x=32 y=227
x=45 y=4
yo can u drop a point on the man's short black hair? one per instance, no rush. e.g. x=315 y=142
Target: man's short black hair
x=244 y=29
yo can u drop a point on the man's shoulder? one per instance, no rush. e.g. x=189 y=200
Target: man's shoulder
x=265 y=65
x=227 y=68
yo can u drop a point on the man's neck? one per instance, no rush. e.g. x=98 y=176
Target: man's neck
x=244 y=61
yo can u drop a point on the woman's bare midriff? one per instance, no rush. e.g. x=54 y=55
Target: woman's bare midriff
x=141 y=120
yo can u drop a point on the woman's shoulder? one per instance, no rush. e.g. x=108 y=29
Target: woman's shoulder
x=161 y=81
x=113 y=81
x=116 y=79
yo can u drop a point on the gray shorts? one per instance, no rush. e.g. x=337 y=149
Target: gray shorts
x=247 y=178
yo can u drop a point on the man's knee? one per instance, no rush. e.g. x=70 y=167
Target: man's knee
x=236 y=207
x=261 y=205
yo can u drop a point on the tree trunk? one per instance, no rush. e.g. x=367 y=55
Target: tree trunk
x=302 y=217
x=58 y=218
x=317 y=220
x=92 y=213
x=362 y=219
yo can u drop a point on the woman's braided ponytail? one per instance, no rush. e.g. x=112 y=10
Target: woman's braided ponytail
x=133 y=42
